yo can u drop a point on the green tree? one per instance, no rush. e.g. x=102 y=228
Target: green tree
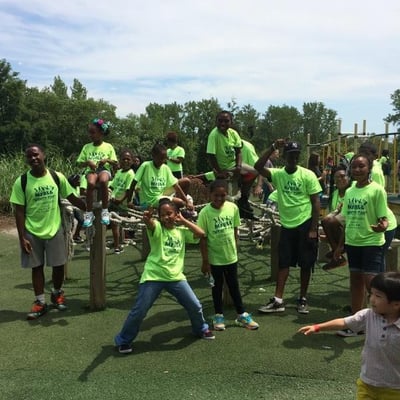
x=395 y=117
x=12 y=90
x=318 y=121
x=198 y=121
x=246 y=122
x=279 y=122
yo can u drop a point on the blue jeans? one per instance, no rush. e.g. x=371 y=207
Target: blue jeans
x=147 y=295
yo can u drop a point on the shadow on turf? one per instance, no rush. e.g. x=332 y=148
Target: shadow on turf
x=326 y=341
x=163 y=341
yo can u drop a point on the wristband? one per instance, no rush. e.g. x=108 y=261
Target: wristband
x=317 y=328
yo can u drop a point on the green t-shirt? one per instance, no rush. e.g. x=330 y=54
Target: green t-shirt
x=210 y=176
x=152 y=182
x=377 y=173
x=42 y=210
x=121 y=183
x=177 y=152
x=378 y=177
x=294 y=191
x=392 y=220
x=249 y=155
x=219 y=226
x=97 y=153
x=166 y=259
x=362 y=207
x=223 y=147
x=336 y=200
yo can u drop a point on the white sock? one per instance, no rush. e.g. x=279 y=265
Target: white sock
x=278 y=300
x=41 y=298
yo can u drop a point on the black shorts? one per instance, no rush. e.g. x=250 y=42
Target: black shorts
x=295 y=247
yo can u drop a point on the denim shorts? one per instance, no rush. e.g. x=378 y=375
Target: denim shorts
x=365 y=259
x=296 y=248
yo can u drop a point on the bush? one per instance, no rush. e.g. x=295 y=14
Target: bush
x=13 y=165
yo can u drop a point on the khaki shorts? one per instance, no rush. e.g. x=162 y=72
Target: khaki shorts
x=50 y=250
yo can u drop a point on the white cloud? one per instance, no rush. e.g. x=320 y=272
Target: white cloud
x=260 y=52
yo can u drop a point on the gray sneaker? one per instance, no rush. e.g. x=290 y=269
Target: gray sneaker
x=272 y=306
x=302 y=306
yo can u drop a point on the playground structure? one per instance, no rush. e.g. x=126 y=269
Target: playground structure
x=266 y=229
x=345 y=142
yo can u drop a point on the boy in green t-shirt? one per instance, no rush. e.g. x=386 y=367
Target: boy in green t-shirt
x=154 y=180
x=175 y=155
x=225 y=155
x=40 y=232
x=120 y=187
x=298 y=202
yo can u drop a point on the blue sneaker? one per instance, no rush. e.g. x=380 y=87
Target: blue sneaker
x=246 y=321
x=105 y=217
x=218 y=322
x=88 y=218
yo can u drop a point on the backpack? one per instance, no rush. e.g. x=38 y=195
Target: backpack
x=66 y=211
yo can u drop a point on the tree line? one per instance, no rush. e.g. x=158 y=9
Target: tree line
x=57 y=117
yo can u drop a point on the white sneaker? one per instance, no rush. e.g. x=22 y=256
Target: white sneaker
x=88 y=218
x=105 y=217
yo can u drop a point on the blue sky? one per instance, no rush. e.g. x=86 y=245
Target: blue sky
x=344 y=53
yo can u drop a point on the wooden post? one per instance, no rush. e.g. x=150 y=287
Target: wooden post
x=275 y=235
x=394 y=161
x=355 y=147
x=339 y=141
x=98 y=264
x=391 y=256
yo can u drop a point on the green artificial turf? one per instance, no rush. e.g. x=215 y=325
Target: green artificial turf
x=70 y=355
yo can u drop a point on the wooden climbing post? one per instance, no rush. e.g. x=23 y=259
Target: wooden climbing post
x=98 y=260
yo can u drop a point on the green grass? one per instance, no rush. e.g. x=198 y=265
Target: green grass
x=70 y=355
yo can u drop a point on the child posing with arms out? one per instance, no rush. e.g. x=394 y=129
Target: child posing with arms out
x=97 y=157
x=380 y=365
x=120 y=186
x=164 y=270
x=220 y=220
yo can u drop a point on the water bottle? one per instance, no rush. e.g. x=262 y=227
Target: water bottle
x=210 y=280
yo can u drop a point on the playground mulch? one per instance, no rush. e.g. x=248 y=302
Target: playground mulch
x=70 y=355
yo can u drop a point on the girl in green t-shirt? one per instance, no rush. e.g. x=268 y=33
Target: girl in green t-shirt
x=220 y=220
x=365 y=214
x=164 y=270
x=98 y=158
